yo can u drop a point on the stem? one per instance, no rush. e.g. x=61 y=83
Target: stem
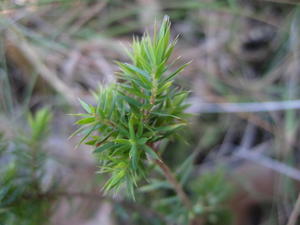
x=173 y=181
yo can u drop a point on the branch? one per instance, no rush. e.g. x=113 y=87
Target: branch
x=176 y=185
x=173 y=181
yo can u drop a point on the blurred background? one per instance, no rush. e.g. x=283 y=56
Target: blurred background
x=242 y=145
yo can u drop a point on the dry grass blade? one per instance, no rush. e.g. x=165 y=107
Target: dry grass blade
x=270 y=163
x=295 y=213
x=228 y=107
x=42 y=69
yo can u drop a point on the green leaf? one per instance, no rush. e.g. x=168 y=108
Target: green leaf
x=134 y=80
x=164 y=87
x=142 y=141
x=133 y=91
x=170 y=128
x=186 y=168
x=131 y=127
x=139 y=71
x=39 y=123
x=122 y=141
x=79 y=130
x=89 y=131
x=130 y=189
x=91 y=142
x=134 y=71
x=84 y=105
x=134 y=156
x=79 y=114
x=150 y=151
x=168 y=201
x=85 y=121
x=130 y=100
x=115 y=180
x=104 y=147
x=176 y=72
x=165 y=115
x=155 y=185
x=140 y=128
x=99 y=142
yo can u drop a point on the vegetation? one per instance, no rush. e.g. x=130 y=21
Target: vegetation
x=137 y=112
x=22 y=172
x=134 y=115
x=234 y=161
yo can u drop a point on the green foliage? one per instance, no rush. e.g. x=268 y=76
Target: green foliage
x=39 y=124
x=212 y=191
x=141 y=109
x=21 y=172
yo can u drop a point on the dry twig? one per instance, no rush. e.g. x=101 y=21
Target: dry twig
x=295 y=213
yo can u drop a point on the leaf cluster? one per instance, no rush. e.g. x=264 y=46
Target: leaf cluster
x=212 y=191
x=22 y=168
x=39 y=124
x=142 y=108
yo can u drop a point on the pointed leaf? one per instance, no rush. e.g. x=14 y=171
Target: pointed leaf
x=134 y=156
x=176 y=72
x=84 y=105
x=104 y=147
x=150 y=151
x=85 y=120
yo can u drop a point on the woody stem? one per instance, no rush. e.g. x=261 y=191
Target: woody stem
x=174 y=182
